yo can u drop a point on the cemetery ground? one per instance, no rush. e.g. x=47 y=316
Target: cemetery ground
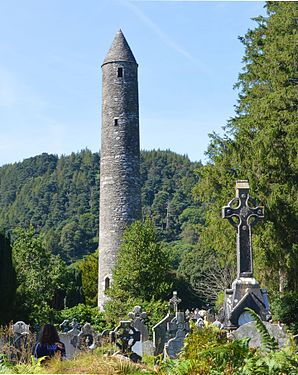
x=207 y=349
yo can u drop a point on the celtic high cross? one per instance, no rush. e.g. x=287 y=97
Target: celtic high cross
x=243 y=217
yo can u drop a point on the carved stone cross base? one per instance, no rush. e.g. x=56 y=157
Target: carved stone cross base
x=245 y=292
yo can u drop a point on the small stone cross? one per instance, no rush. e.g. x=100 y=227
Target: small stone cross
x=174 y=301
x=246 y=217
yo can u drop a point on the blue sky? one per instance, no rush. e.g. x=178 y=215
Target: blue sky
x=51 y=51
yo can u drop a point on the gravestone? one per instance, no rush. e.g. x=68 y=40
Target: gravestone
x=245 y=291
x=70 y=340
x=250 y=330
x=144 y=346
x=138 y=316
x=88 y=338
x=21 y=331
x=148 y=348
x=65 y=326
x=161 y=329
x=76 y=337
x=20 y=328
x=125 y=336
x=173 y=347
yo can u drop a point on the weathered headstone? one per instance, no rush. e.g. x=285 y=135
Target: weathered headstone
x=250 y=330
x=20 y=328
x=138 y=322
x=173 y=347
x=175 y=301
x=161 y=333
x=138 y=316
x=65 y=326
x=245 y=291
x=125 y=337
x=70 y=340
x=148 y=348
x=88 y=338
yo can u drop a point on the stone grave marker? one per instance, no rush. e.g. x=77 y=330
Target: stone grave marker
x=88 y=338
x=125 y=336
x=161 y=333
x=173 y=347
x=70 y=340
x=138 y=316
x=250 y=330
x=20 y=328
x=144 y=346
x=243 y=213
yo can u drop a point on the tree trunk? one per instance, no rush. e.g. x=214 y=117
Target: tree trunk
x=283 y=280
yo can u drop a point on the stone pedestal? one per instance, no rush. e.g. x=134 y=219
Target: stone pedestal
x=245 y=292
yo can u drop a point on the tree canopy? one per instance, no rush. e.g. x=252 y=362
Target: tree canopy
x=59 y=196
x=260 y=144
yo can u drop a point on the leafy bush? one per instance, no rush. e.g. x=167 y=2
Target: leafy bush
x=285 y=309
x=85 y=314
x=209 y=349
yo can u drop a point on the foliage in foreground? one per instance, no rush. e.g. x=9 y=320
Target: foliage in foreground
x=209 y=351
x=84 y=363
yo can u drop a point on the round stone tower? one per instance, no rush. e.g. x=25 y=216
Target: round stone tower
x=120 y=192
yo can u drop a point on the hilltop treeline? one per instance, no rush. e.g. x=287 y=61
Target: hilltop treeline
x=59 y=196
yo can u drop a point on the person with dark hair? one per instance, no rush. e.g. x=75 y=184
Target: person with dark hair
x=49 y=343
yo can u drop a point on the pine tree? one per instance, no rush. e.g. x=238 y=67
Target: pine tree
x=260 y=144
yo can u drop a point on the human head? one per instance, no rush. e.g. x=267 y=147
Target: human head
x=49 y=334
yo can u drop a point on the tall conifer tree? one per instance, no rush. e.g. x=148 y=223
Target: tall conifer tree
x=261 y=144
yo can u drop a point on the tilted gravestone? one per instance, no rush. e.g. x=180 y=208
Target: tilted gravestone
x=88 y=338
x=137 y=316
x=21 y=331
x=77 y=337
x=170 y=332
x=245 y=291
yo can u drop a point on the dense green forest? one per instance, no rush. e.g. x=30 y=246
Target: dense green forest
x=59 y=197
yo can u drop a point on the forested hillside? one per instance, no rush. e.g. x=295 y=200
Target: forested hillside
x=59 y=196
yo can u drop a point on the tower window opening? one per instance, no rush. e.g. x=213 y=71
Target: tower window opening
x=107 y=283
x=120 y=72
x=116 y=121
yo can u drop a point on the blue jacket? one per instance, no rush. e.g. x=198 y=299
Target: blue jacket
x=49 y=350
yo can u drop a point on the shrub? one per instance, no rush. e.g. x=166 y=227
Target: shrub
x=285 y=309
x=85 y=314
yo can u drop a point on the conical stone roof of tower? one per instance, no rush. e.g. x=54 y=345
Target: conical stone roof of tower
x=120 y=50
